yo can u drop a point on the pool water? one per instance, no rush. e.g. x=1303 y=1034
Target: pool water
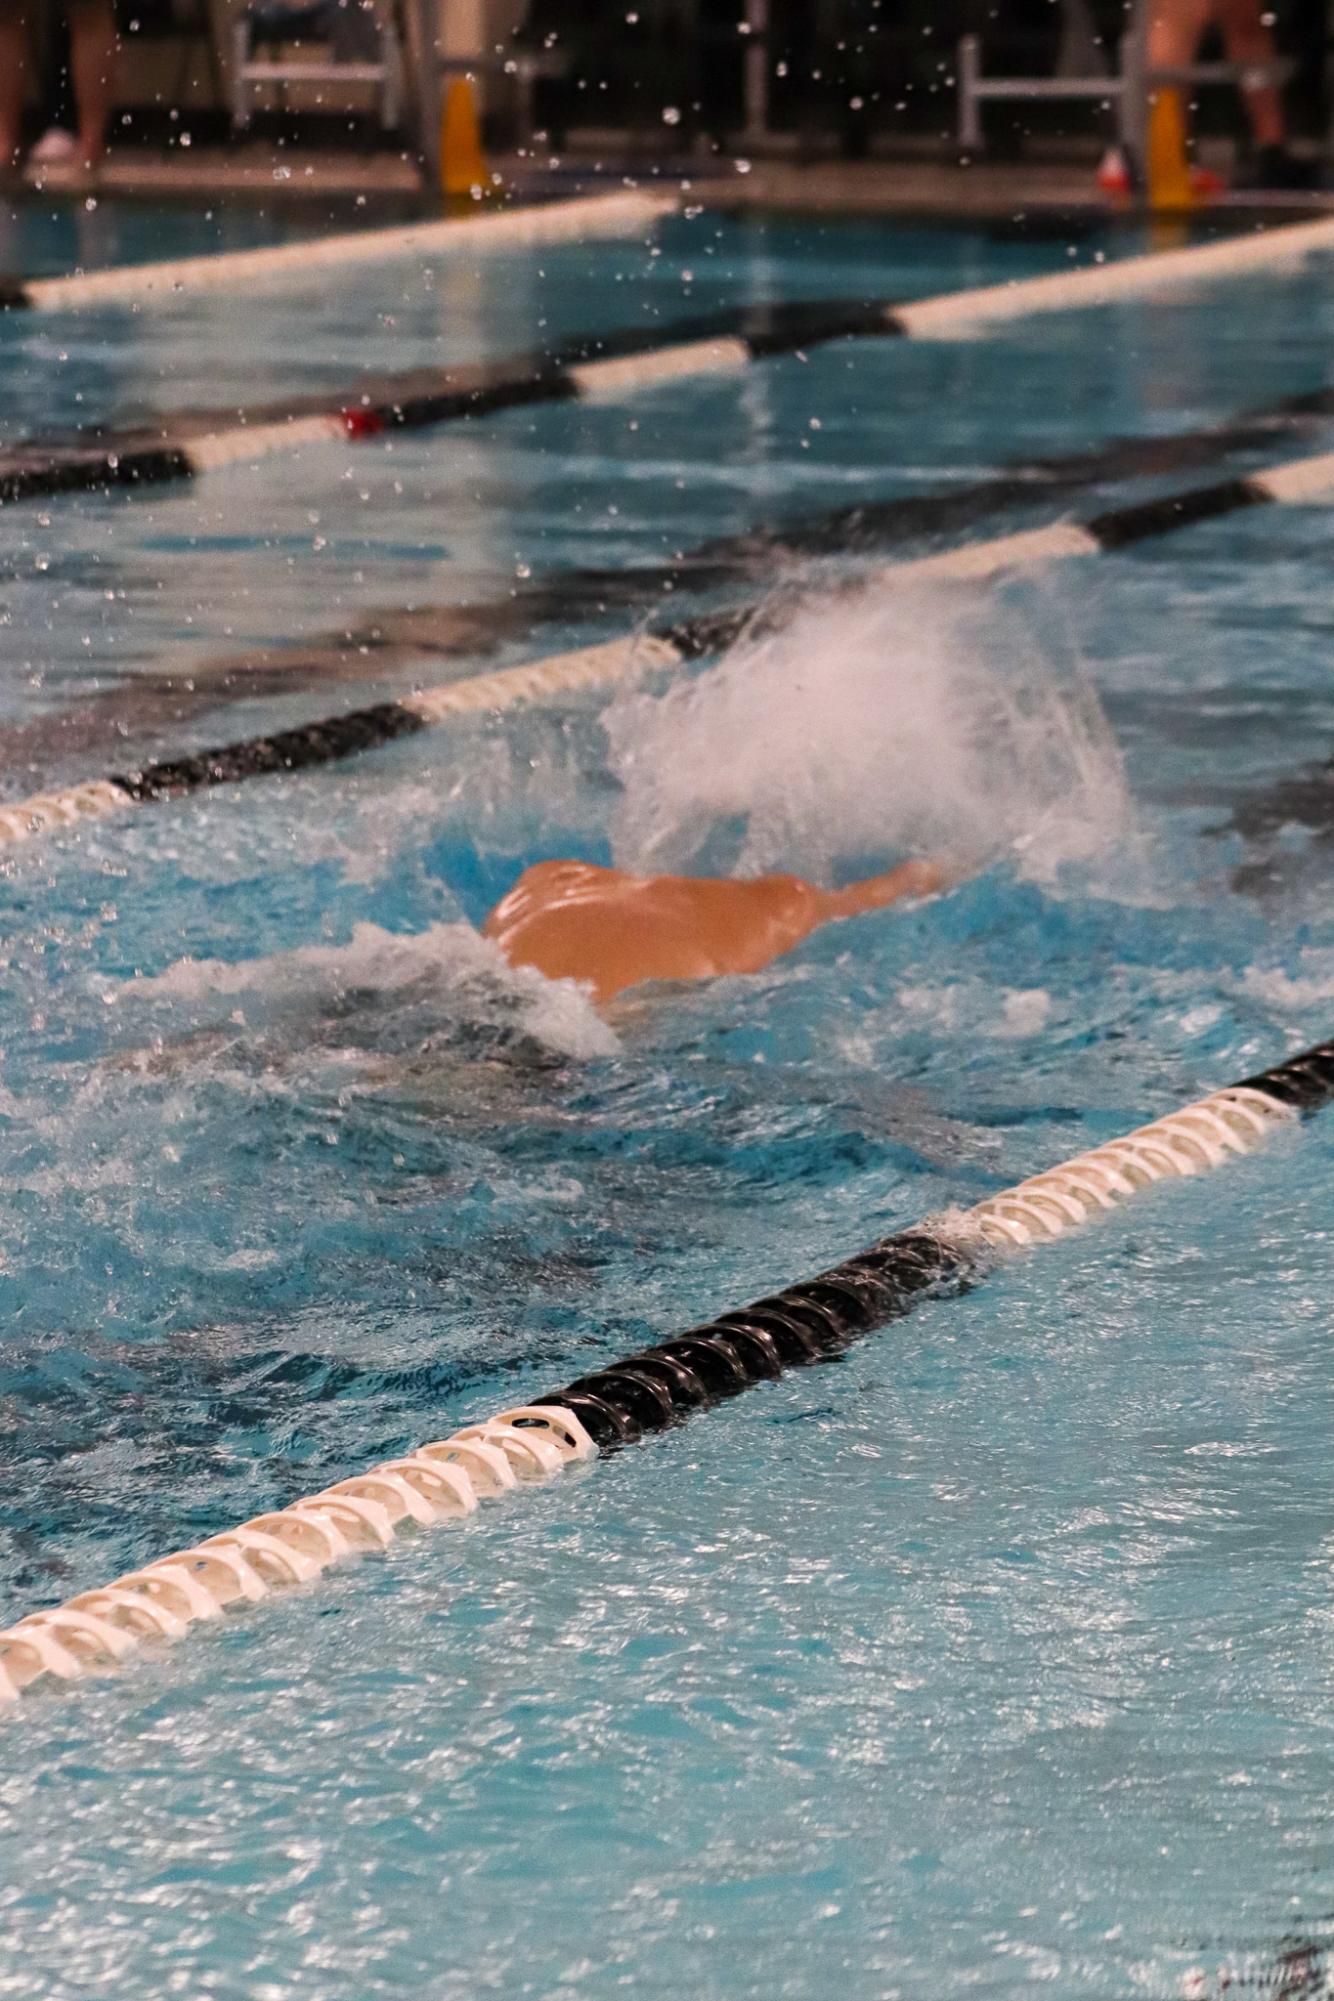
x=998 y=1656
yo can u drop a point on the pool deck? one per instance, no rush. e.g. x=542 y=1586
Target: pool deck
x=251 y=169
x=983 y=190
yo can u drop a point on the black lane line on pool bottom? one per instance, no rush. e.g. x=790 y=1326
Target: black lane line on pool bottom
x=139 y=457
x=442 y=631
x=335 y=737
x=1124 y=525
x=818 y=1319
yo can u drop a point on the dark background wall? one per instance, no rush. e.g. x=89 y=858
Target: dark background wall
x=849 y=74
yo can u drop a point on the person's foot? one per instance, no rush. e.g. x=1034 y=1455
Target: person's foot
x=61 y=161
x=55 y=148
x=1114 y=175
x=1276 y=167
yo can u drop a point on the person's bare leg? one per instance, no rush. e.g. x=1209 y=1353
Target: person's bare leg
x=1175 y=29
x=93 y=46
x=1251 y=44
x=14 y=60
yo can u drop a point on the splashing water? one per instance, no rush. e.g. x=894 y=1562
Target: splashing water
x=447 y=975
x=896 y=720
x=899 y=720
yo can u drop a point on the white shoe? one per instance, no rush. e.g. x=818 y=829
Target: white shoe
x=55 y=148
x=1114 y=173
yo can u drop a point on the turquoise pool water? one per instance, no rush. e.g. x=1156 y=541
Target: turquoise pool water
x=997 y=1657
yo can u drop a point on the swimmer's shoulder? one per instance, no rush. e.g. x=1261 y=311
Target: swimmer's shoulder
x=551 y=878
x=547 y=886
x=789 y=893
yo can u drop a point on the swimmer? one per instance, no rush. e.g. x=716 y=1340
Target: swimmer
x=563 y=919
x=611 y=930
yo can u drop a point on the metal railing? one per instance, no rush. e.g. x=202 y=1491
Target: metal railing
x=759 y=38
x=1125 y=90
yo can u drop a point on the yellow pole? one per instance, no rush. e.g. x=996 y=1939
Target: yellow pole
x=462 y=161
x=1168 y=175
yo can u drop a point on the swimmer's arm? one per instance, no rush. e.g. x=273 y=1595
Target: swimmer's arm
x=874 y=892
x=757 y=921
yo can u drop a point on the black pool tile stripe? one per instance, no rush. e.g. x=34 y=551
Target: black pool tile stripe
x=1122 y=526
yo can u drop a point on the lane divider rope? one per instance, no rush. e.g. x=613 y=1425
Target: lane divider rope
x=445 y=1480
x=398 y=637
x=594 y=368
x=621 y=212
x=962 y=315
x=616 y=1403
x=599 y=368
x=334 y=738
x=948 y=315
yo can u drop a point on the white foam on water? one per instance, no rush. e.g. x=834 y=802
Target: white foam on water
x=464 y=974
x=977 y=1007
x=899 y=719
x=1299 y=993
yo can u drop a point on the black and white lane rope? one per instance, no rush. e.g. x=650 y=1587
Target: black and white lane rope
x=593 y=368
x=393 y=638
x=657 y=1387
x=598 y=367
x=625 y=211
x=334 y=738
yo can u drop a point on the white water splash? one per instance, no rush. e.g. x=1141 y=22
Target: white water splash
x=462 y=974
x=1303 y=992
x=897 y=720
